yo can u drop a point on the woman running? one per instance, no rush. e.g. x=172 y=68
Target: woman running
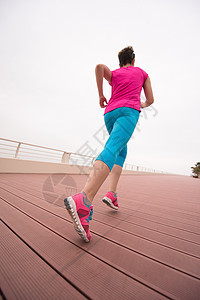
x=121 y=116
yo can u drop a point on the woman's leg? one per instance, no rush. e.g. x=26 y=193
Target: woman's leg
x=114 y=177
x=97 y=176
x=100 y=170
x=117 y=169
x=114 y=152
x=79 y=205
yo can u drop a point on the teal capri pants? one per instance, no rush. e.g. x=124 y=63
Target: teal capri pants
x=120 y=124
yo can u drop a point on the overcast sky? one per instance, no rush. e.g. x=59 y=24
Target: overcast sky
x=48 y=94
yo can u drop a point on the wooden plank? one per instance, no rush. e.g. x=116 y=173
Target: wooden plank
x=173 y=206
x=24 y=275
x=125 y=225
x=143 y=224
x=94 y=277
x=137 y=215
x=120 y=257
x=139 y=193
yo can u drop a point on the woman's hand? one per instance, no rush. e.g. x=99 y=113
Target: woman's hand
x=102 y=101
x=143 y=105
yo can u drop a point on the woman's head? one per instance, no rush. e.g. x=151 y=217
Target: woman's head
x=126 y=56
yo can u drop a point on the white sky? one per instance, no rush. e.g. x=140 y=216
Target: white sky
x=48 y=94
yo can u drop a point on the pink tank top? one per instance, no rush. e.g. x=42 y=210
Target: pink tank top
x=126 y=83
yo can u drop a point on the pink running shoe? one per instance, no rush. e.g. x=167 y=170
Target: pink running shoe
x=81 y=211
x=111 y=200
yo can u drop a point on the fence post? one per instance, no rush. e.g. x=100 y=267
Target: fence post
x=65 y=158
x=17 y=150
x=93 y=160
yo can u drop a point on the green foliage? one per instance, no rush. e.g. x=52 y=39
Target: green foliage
x=196 y=170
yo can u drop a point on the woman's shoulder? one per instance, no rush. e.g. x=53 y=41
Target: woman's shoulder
x=131 y=68
x=139 y=69
x=143 y=74
x=116 y=70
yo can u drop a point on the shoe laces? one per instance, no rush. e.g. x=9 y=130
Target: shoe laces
x=90 y=215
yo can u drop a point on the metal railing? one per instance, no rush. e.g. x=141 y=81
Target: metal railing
x=21 y=150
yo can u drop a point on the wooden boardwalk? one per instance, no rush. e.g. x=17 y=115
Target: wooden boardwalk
x=149 y=249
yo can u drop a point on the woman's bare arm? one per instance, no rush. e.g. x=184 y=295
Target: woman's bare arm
x=148 y=93
x=102 y=71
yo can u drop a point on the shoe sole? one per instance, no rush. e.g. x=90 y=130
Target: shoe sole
x=108 y=202
x=71 y=208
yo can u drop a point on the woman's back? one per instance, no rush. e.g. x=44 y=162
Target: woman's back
x=127 y=83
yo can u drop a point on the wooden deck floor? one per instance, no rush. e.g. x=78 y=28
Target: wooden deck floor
x=149 y=249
